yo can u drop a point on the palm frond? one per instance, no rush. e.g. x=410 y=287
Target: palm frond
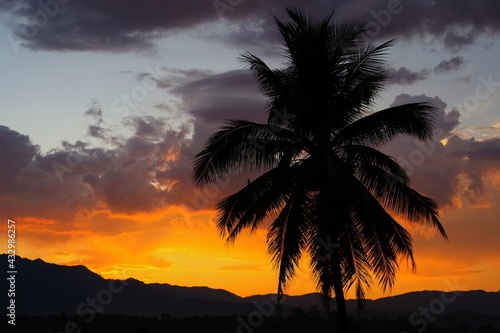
x=287 y=237
x=356 y=265
x=383 y=238
x=414 y=119
x=269 y=80
x=394 y=193
x=362 y=82
x=241 y=145
x=262 y=197
x=360 y=155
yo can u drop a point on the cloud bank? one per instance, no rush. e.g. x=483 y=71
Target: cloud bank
x=152 y=167
x=123 y=26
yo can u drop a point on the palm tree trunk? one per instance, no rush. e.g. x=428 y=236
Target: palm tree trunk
x=339 y=298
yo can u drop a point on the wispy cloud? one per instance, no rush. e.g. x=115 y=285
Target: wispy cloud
x=404 y=76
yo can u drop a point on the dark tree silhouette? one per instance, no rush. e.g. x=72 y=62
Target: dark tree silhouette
x=327 y=188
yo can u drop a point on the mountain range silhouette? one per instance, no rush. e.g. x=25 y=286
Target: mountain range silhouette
x=43 y=288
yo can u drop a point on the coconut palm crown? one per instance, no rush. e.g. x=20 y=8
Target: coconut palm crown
x=323 y=178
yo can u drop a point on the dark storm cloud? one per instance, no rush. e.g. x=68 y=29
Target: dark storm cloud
x=117 y=26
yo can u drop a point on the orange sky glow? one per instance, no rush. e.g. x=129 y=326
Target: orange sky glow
x=182 y=247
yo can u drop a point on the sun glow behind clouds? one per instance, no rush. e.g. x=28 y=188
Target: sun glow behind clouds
x=182 y=247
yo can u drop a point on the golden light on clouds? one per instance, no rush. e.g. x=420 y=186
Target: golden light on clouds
x=180 y=246
x=183 y=247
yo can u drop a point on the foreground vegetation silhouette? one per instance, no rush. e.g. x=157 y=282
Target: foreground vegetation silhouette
x=300 y=322
x=328 y=189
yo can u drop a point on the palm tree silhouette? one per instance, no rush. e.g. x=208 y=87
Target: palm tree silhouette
x=329 y=191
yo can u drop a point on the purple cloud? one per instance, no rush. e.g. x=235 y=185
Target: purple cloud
x=120 y=26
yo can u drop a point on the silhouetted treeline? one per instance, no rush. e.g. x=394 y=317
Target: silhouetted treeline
x=297 y=322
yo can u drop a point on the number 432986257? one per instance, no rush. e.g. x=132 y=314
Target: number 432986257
x=11 y=226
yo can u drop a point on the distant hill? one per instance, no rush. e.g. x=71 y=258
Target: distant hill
x=197 y=292
x=45 y=288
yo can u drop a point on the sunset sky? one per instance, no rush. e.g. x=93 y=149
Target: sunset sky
x=104 y=103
